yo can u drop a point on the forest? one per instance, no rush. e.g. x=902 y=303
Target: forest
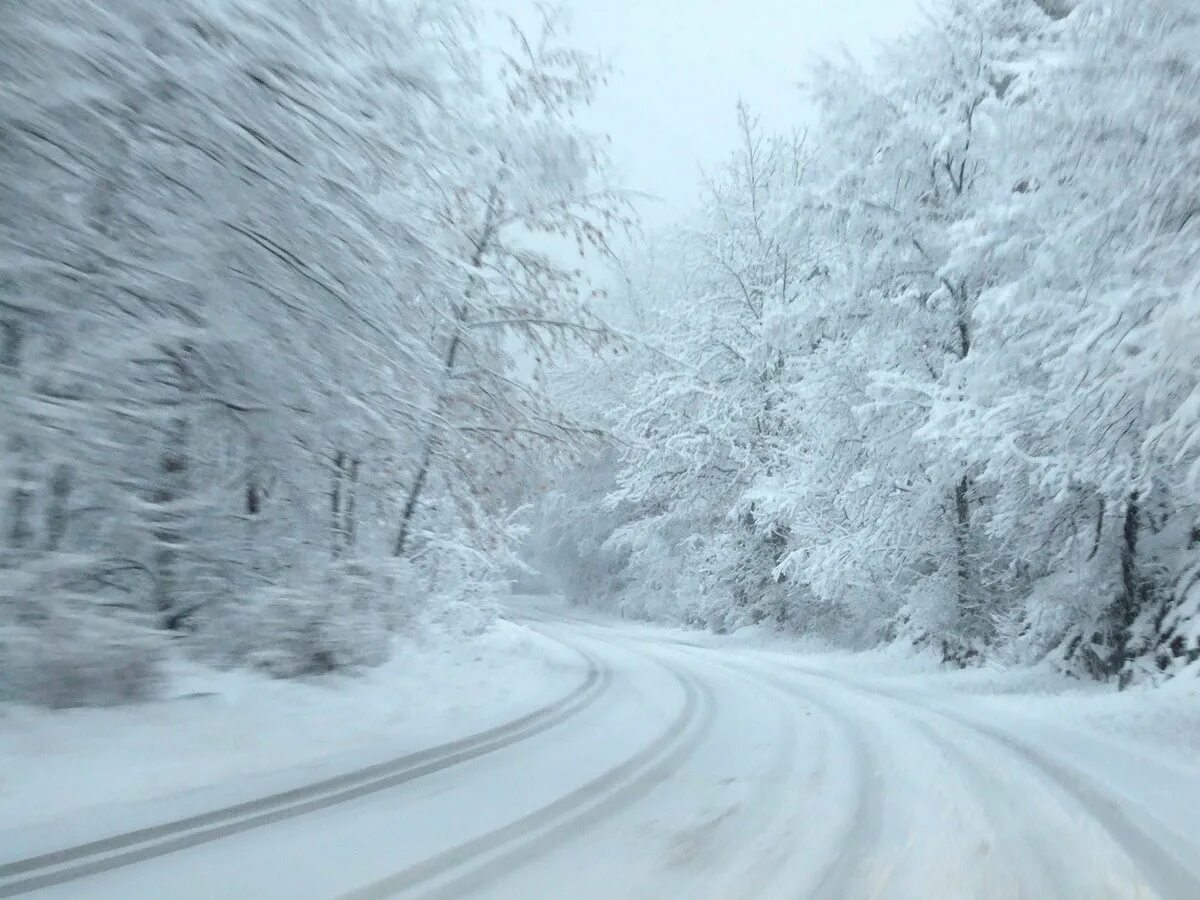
x=926 y=372
x=273 y=284
x=320 y=321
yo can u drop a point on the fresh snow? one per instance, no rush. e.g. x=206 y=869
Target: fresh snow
x=741 y=766
x=224 y=737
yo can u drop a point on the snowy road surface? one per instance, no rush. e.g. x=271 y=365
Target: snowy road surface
x=671 y=770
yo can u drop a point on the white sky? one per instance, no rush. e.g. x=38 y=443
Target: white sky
x=682 y=64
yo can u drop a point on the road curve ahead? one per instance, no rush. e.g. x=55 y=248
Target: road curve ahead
x=669 y=770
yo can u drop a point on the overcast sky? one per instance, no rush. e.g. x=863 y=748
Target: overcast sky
x=682 y=64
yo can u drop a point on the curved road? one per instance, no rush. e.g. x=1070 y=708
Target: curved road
x=668 y=770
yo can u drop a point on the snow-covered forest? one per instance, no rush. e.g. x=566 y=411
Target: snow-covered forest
x=275 y=293
x=929 y=370
x=304 y=341
x=457 y=449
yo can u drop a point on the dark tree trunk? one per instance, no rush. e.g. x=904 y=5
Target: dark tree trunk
x=335 y=503
x=170 y=489
x=962 y=536
x=168 y=523
x=10 y=348
x=1108 y=650
x=964 y=338
x=1099 y=529
x=962 y=490
x=20 y=498
x=350 y=519
x=57 y=511
x=1132 y=588
x=1130 y=602
x=410 y=502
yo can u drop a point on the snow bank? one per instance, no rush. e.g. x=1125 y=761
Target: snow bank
x=223 y=737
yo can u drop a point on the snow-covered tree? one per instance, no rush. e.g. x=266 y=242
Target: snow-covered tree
x=529 y=183
x=263 y=267
x=970 y=418
x=1084 y=391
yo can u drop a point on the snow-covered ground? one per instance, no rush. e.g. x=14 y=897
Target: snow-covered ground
x=694 y=767
x=1160 y=718
x=223 y=737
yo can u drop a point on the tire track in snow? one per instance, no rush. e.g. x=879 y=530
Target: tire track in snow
x=999 y=809
x=770 y=805
x=842 y=876
x=757 y=880
x=863 y=825
x=1002 y=809
x=1160 y=869
x=861 y=834
x=72 y=863
x=454 y=873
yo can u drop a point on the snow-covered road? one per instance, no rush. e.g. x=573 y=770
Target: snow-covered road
x=673 y=770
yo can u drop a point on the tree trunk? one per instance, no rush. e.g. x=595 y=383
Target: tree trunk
x=57 y=512
x=168 y=523
x=962 y=490
x=431 y=435
x=253 y=497
x=10 y=349
x=962 y=535
x=335 y=504
x=1124 y=612
x=350 y=519
x=414 y=496
x=20 y=498
x=1132 y=588
x=170 y=489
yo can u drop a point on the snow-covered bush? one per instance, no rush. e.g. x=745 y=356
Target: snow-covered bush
x=463 y=587
x=80 y=660
x=61 y=648
x=342 y=622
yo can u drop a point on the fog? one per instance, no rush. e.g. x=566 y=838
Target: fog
x=681 y=66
